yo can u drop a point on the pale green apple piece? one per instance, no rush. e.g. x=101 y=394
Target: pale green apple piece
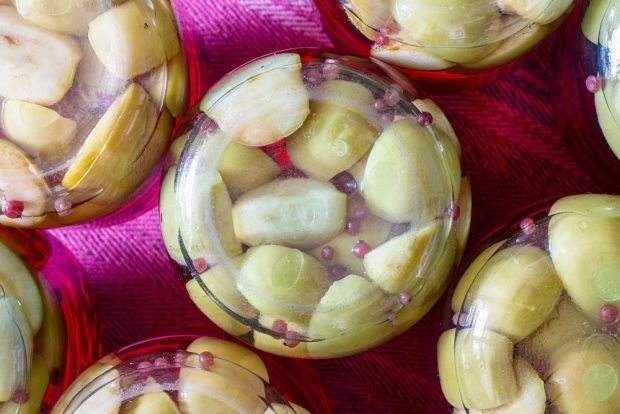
x=409 y=57
x=594 y=205
x=531 y=396
x=50 y=341
x=153 y=400
x=352 y=343
x=591 y=23
x=176 y=148
x=465 y=55
x=284 y=409
x=15 y=347
x=463 y=223
x=38 y=379
x=440 y=121
x=538 y=11
x=62 y=16
x=446 y=365
x=373 y=14
x=168 y=213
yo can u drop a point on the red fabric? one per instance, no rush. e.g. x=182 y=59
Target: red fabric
x=512 y=149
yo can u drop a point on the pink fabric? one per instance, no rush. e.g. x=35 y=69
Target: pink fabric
x=512 y=150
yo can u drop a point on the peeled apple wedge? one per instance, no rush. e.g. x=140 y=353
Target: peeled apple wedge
x=284 y=409
x=69 y=17
x=231 y=352
x=244 y=168
x=112 y=146
x=463 y=223
x=584 y=376
x=539 y=11
x=410 y=57
x=50 y=341
x=564 y=324
x=40 y=131
x=591 y=23
x=153 y=400
x=594 y=205
x=15 y=347
x=126 y=40
x=531 y=396
x=176 y=148
x=16 y=281
x=607 y=122
x=373 y=14
x=586 y=254
x=396 y=265
x=440 y=121
x=166 y=26
x=403 y=174
x=176 y=91
x=514 y=292
x=281 y=282
x=446 y=365
x=38 y=379
x=337 y=133
x=260 y=103
x=106 y=400
x=484 y=367
x=168 y=217
x=226 y=388
x=21 y=180
x=295 y=212
x=36 y=65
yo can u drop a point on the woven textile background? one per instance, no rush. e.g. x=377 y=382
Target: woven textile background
x=512 y=150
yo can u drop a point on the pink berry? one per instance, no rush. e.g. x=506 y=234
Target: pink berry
x=291 y=339
x=385 y=30
x=330 y=70
x=327 y=253
x=608 y=314
x=610 y=329
x=405 y=298
x=391 y=97
x=179 y=358
x=353 y=226
x=206 y=360
x=381 y=40
x=160 y=362
x=144 y=365
x=593 y=83
x=279 y=326
x=360 y=249
x=62 y=206
x=360 y=213
x=313 y=76
x=380 y=105
x=387 y=117
x=345 y=183
x=424 y=119
x=337 y=271
x=391 y=316
x=20 y=397
x=398 y=228
x=528 y=226
x=453 y=213
x=13 y=208
x=200 y=264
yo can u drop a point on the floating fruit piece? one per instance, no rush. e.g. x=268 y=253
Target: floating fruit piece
x=591 y=23
x=224 y=388
x=372 y=14
x=282 y=283
x=463 y=222
x=244 y=168
x=50 y=340
x=593 y=205
x=410 y=57
x=40 y=131
x=539 y=11
x=153 y=400
x=69 y=17
x=398 y=264
x=221 y=282
x=176 y=148
x=403 y=175
x=446 y=365
x=295 y=212
x=465 y=54
x=176 y=91
x=20 y=180
x=166 y=24
x=440 y=121
x=113 y=145
x=35 y=65
x=512 y=47
x=168 y=213
x=514 y=292
x=16 y=281
x=460 y=292
x=261 y=102
x=337 y=132
x=607 y=122
x=286 y=409
x=447 y=23
x=584 y=376
x=268 y=343
x=232 y=352
x=15 y=347
x=38 y=379
x=564 y=324
x=484 y=368
x=586 y=254
x=126 y=40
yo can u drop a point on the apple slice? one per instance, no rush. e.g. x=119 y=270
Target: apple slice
x=440 y=121
x=16 y=281
x=338 y=131
x=244 y=168
x=231 y=352
x=396 y=266
x=50 y=340
x=67 y=17
x=261 y=102
x=539 y=11
x=593 y=205
x=295 y=212
x=410 y=57
x=38 y=379
x=153 y=400
x=40 y=131
x=403 y=180
x=126 y=40
x=15 y=347
x=591 y=23
x=514 y=292
x=166 y=25
x=286 y=409
x=176 y=91
x=463 y=222
x=373 y=14
x=531 y=396
x=607 y=122
x=446 y=365
x=282 y=283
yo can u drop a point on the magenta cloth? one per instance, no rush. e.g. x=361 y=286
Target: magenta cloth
x=512 y=150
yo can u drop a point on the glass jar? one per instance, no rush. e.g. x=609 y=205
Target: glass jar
x=192 y=374
x=49 y=331
x=444 y=44
x=534 y=316
x=314 y=204
x=89 y=93
x=592 y=125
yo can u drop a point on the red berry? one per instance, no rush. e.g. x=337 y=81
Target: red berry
x=330 y=70
x=337 y=271
x=200 y=264
x=381 y=40
x=313 y=76
x=279 y=326
x=179 y=358
x=353 y=226
x=380 y=105
x=528 y=226
x=144 y=365
x=345 y=183
x=593 y=83
x=206 y=360
x=608 y=314
x=291 y=339
x=405 y=298
x=360 y=213
x=13 y=208
x=391 y=97
x=360 y=249
x=424 y=119
x=62 y=206
x=327 y=253
x=20 y=397
x=160 y=362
